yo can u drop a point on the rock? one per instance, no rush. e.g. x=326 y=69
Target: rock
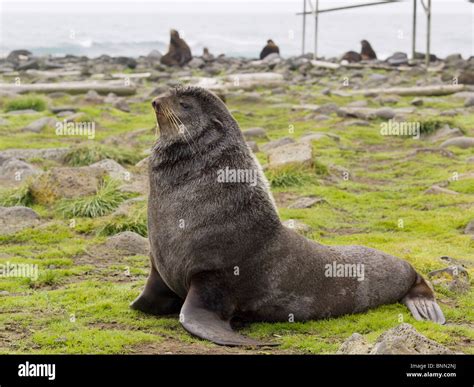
x=453 y=58
x=445 y=132
x=110 y=98
x=404 y=339
x=60 y=109
x=253 y=146
x=314 y=136
x=93 y=97
x=327 y=108
x=142 y=165
x=14 y=169
x=385 y=113
x=397 y=59
x=378 y=77
x=308 y=107
x=14 y=219
x=437 y=190
x=22 y=112
x=3 y=121
x=122 y=105
x=360 y=103
x=29 y=65
x=356 y=123
x=299 y=153
x=128 y=242
x=277 y=143
x=126 y=61
x=455 y=278
x=306 y=202
x=466 y=77
x=155 y=54
x=55 y=154
x=66 y=182
x=469 y=228
x=388 y=99
x=196 y=63
x=113 y=169
x=355 y=345
x=297 y=226
x=252 y=133
x=40 y=124
x=127 y=207
x=417 y=102
x=272 y=58
x=469 y=102
x=18 y=55
x=459 y=142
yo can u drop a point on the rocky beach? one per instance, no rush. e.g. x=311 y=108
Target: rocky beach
x=375 y=153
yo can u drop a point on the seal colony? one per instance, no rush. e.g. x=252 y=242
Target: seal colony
x=219 y=253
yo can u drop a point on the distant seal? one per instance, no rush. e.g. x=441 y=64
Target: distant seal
x=352 y=57
x=219 y=252
x=270 y=48
x=367 y=52
x=178 y=53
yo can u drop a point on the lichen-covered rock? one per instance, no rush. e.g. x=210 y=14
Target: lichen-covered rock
x=129 y=242
x=355 y=345
x=14 y=219
x=66 y=182
x=299 y=153
x=406 y=340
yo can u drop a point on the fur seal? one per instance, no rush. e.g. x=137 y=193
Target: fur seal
x=270 y=48
x=367 y=52
x=352 y=57
x=219 y=252
x=178 y=53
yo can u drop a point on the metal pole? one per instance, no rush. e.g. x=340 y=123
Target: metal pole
x=304 y=26
x=316 y=14
x=428 y=33
x=413 y=36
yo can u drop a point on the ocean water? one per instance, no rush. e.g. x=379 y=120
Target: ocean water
x=235 y=28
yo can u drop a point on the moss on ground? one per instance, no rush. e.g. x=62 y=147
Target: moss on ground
x=78 y=306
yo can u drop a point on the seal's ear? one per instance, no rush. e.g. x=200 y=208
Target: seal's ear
x=218 y=123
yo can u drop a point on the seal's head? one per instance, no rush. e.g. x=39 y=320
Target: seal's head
x=186 y=114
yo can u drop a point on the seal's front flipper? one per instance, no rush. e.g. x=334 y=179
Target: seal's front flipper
x=157 y=298
x=421 y=302
x=201 y=321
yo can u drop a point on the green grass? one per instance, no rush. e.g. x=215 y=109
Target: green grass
x=386 y=185
x=91 y=153
x=107 y=199
x=28 y=102
x=20 y=196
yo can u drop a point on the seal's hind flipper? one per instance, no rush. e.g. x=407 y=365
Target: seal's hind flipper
x=202 y=322
x=421 y=302
x=157 y=298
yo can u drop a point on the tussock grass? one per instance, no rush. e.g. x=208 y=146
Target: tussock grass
x=23 y=103
x=20 y=196
x=91 y=153
x=136 y=222
x=107 y=199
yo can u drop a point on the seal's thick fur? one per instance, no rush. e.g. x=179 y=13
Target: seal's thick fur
x=221 y=248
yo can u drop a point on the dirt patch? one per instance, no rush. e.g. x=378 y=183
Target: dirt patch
x=175 y=347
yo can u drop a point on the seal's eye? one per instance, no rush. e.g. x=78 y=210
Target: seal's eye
x=185 y=105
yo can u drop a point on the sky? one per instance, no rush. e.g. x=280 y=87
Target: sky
x=209 y=6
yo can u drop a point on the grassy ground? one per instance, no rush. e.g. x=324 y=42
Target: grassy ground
x=79 y=303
